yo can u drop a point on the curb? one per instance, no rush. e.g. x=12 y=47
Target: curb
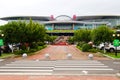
x=110 y=57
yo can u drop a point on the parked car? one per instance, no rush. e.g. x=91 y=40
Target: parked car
x=5 y=49
x=101 y=46
x=112 y=48
x=108 y=46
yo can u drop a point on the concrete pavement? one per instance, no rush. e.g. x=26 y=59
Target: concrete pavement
x=57 y=67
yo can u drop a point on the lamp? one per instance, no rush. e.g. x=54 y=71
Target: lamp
x=116 y=42
x=1 y=41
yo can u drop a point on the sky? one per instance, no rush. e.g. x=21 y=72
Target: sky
x=58 y=7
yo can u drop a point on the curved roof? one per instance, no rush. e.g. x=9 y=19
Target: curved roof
x=41 y=18
x=45 y=18
x=63 y=18
x=81 y=18
x=70 y=22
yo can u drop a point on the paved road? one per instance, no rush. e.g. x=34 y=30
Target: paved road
x=80 y=65
x=60 y=52
x=57 y=67
x=115 y=64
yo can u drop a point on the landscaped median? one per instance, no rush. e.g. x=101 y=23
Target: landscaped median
x=112 y=55
x=7 y=55
x=85 y=47
x=20 y=52
x=89 y=50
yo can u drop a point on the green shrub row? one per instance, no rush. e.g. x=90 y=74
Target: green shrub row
x=20 y=52
x=80 y=44
x=85 y=47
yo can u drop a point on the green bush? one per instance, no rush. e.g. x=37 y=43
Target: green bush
x=34 y=45
x=41 y=47
x=23 y=47
x=20 y=52
x=32 y=50
x=93 y=50
x=80 y=44
x=86 y=47
x=40 y=43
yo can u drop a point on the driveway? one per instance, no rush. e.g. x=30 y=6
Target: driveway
x=57 y=52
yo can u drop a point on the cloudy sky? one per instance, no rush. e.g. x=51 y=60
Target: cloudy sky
x=58 y=7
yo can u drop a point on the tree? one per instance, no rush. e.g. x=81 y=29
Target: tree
x=23 y=32
x=35 y=32
x=71 y=40
x=101 y=34
x=117 y=27
x=82 y=35
x=11 y=32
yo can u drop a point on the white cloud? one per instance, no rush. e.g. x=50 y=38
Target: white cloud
x=58 y=7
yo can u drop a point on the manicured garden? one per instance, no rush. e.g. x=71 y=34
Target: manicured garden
x=7 y=55
x=85 y=39
x=32 y=36
x=112 y=55
x=23 y=37
x=87 y=48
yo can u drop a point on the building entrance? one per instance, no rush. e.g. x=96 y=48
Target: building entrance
x=63 y=26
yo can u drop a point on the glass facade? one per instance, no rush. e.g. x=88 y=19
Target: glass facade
x=64 y=22
x=63 y=26
x=113 y=22
x=73 y=26
x=89 y=26
x=78 y=26
x=48 y=27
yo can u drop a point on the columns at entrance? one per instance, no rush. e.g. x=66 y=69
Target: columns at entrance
x=73 y=26
x=84 y=25
x=53 y=26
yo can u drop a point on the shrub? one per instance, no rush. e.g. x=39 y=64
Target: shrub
x=34 y=45
x=20 y=52
x=41 y=47
x=80 y=44
x=23 y=47
x=86 y=47
x=29 y=52
x=32 y=50
x=93 y=50
x=40 y=43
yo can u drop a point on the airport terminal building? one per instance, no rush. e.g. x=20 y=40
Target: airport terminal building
x=64 y=22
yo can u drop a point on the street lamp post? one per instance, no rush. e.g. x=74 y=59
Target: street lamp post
x=116 y=42
x=1 y=42
x=0 y=50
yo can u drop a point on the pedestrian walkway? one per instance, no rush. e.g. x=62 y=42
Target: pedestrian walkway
x=60 y=52
x=58 y=78
x=56 y=67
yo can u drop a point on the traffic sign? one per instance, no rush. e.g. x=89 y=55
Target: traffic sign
x=116 y=42
x=1 y=42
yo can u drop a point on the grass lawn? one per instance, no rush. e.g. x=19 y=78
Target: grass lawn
x=6 y=55
x=113 y=55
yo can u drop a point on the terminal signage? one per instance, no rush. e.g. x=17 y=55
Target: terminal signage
x=116 y=42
